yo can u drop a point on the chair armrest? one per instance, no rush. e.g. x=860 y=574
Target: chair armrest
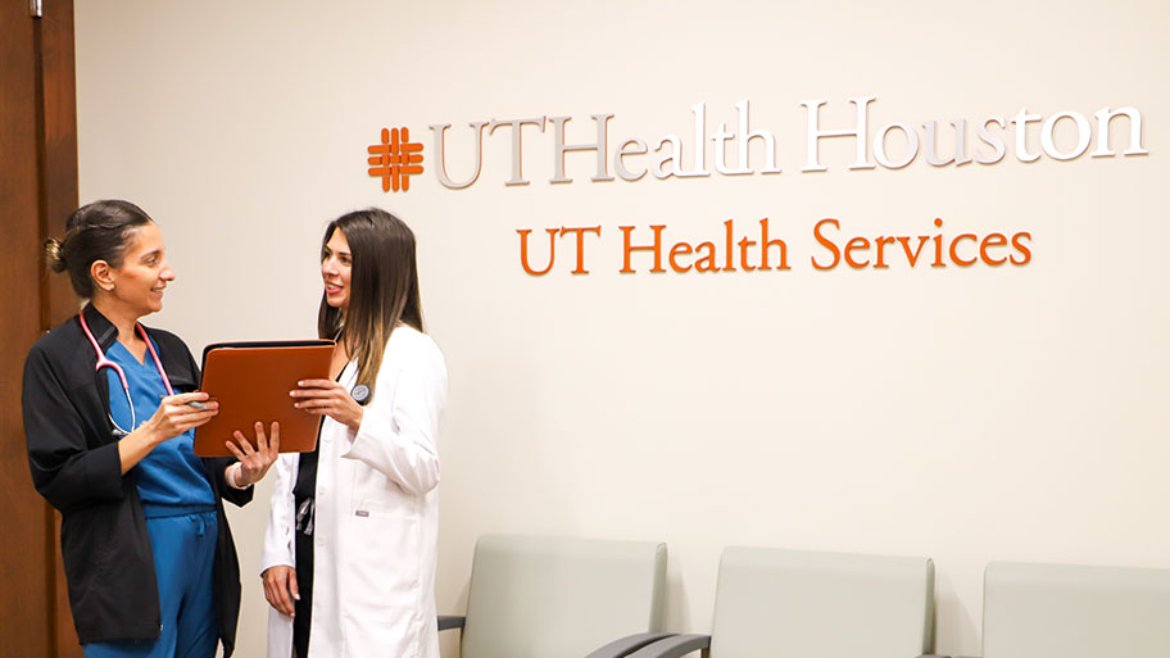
x=622 y=647
x=674 y=646
x=451 y=621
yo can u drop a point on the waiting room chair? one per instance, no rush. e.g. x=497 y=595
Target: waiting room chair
x=1060 y=611
x=772 y=603
x=549 y=597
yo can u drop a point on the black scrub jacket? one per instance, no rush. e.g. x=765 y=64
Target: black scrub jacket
x=75 y=465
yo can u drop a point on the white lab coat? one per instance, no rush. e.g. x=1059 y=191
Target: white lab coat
x=377 y=516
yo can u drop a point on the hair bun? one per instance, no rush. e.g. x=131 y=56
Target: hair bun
x=55 y=255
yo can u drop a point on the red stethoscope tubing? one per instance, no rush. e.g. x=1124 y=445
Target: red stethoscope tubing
x=104 y=362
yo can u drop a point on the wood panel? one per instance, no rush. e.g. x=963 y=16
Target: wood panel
x=58 y=143
x=57 y=175
x=38 y=188
x=26 y=574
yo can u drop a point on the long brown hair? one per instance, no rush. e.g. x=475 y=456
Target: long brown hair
x=383 y=289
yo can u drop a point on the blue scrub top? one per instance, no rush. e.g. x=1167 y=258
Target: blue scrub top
x=170 y=479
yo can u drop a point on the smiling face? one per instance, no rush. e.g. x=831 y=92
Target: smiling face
x=336 y=268
x=137 y=285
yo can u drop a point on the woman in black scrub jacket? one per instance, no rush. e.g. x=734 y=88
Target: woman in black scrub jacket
x=110 y=409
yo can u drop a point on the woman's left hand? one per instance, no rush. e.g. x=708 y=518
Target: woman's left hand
x=254 y=463
x=325 y=397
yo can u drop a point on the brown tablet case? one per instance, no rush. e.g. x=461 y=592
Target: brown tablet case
x=251 y=382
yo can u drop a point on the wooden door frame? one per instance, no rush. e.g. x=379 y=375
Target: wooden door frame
x=58 y=196
x=40 y=121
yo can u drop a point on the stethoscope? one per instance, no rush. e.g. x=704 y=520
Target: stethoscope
x=103 y=362
x=359 y=393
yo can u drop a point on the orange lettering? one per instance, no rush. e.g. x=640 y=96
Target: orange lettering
x=656 y=248
x=881 y=243
x=680 y=249
x=1018 y=243
x=825 y=242
x=596 y=230
x=856 y=243
x=706 y=263
x=912 y=256
x=552 y=250
x=993 y=240
x=778 y=243
x=743 y=257
x=728 y=234
x=938 y=261
x=955 y=254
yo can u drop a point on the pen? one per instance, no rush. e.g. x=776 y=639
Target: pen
x=196 y=404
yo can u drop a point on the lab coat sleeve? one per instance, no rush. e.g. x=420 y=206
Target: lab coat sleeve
x=398 y=436
x=65 y=470
x=278 y=538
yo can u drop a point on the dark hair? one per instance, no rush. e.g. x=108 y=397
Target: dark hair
x=95 y=231
x=383 y=288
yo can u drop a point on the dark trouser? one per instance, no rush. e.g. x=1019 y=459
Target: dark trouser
x=303 y=619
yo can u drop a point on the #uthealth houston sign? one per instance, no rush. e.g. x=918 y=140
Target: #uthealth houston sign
x=1062 y=136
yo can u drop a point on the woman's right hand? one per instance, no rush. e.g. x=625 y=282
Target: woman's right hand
x=175 y=415
x=280 y=588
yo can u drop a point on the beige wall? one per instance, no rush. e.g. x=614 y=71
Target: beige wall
x=965 y=414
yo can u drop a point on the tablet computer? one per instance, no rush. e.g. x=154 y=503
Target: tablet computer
x=251 y=382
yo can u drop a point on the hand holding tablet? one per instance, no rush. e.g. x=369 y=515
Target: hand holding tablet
x=251 y=381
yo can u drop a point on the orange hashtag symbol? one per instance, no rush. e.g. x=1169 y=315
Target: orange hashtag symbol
x=396 y=159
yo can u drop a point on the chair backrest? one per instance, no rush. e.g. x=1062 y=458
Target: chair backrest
x=1060 y=611
x=548 y=597
x=773 y=603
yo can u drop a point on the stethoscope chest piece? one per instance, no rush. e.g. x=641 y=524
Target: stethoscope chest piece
x=361 y=394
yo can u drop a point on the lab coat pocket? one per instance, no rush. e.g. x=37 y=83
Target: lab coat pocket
x=384 y=556
x=378 y=492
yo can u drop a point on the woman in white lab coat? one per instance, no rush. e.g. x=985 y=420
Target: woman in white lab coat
x=350 y=549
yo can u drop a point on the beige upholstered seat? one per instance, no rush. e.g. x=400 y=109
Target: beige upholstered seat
x=1054 y=611
x=773 y=603
x=546 y=597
